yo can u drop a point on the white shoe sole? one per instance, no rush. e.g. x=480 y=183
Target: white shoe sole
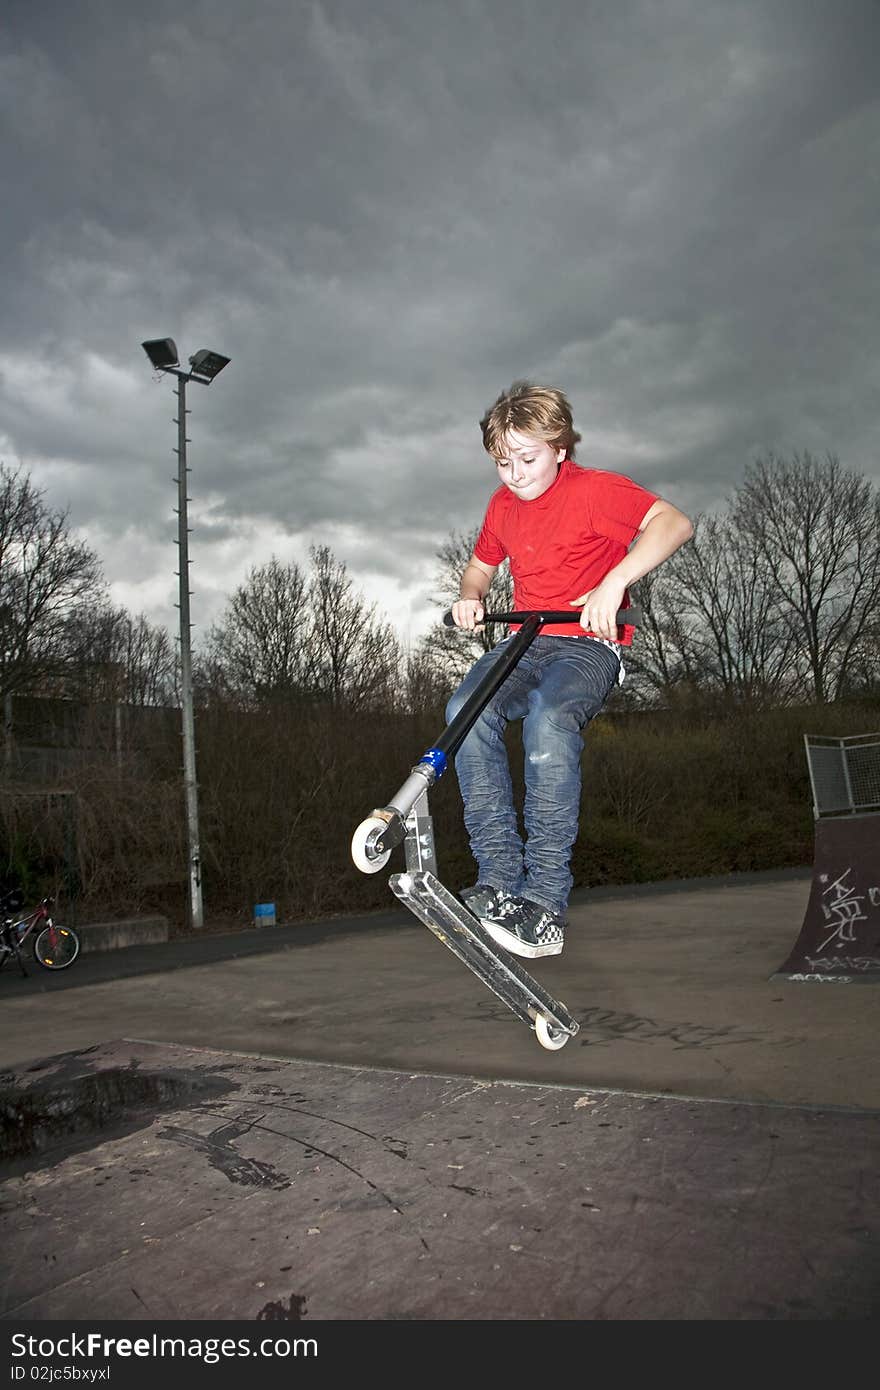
x=511 y=942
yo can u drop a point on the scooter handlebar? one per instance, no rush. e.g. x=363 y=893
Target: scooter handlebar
x=626 y=617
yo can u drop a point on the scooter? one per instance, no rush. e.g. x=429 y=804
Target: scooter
x=406 y=820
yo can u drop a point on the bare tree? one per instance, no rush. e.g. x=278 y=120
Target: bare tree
x=46 y=578
x=290 y=637
x=150 y=662
x=713 y=622
x=354 y=657
x=258 y=651
x=425 y=686
x=454 y=554
x=816 y=527
x=662 y=659
x=863 y=670
x=450 y=652
x=110 y=655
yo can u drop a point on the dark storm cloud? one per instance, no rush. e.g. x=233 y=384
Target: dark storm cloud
x=385 y=213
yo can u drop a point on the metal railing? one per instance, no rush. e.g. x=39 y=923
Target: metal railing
x=844 y=774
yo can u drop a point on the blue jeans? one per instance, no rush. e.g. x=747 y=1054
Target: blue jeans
x=556 y=688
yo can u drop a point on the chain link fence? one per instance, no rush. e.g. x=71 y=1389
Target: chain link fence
x=844 y=774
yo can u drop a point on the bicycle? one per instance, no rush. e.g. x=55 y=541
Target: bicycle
x=55 y=947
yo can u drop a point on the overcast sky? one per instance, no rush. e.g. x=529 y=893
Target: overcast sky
x=384 y=211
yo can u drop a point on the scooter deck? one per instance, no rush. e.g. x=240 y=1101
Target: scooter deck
x=467 y=938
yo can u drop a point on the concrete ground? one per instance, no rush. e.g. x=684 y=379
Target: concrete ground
x=340 y=1121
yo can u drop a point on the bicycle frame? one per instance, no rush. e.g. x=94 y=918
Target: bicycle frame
x=15 y=931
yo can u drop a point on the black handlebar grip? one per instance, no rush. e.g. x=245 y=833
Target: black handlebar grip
x=626 y=617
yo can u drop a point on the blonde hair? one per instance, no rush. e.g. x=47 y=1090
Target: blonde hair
x=541 y=411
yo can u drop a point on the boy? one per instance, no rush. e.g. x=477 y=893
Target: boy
x=574 y=537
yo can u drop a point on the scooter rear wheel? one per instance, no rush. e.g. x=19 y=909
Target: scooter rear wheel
x=550 y=1036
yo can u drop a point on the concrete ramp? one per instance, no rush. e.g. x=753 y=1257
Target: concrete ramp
x=839 y=941
x=201 y=1185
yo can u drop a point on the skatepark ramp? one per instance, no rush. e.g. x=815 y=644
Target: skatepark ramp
x=839 y=940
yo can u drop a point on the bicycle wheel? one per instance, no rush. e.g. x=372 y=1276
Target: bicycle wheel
x=56 y=947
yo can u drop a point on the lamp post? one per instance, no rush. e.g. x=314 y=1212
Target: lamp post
x=7 y=639
x=204 y=366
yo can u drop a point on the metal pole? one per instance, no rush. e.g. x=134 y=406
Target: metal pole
x=186 y=692
x=7 y=730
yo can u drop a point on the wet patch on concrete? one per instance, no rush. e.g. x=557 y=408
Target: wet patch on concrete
x=76 y=1094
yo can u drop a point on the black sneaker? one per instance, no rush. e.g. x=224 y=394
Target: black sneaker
x=526 y=928
x=484 y=901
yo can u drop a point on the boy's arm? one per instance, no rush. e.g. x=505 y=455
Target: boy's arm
x=663 y=529
x=468 y=610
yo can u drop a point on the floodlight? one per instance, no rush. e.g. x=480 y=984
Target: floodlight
x=161 y=352
x=206 y=364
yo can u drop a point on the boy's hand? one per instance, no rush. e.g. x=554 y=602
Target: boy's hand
x=600 y=607
x=468 y=613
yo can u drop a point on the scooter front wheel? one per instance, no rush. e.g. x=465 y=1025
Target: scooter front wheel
x=365 y=857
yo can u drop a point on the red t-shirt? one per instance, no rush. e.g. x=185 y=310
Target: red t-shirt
x=564 y=542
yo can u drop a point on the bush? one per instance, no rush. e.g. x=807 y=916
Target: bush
x=282 y=790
